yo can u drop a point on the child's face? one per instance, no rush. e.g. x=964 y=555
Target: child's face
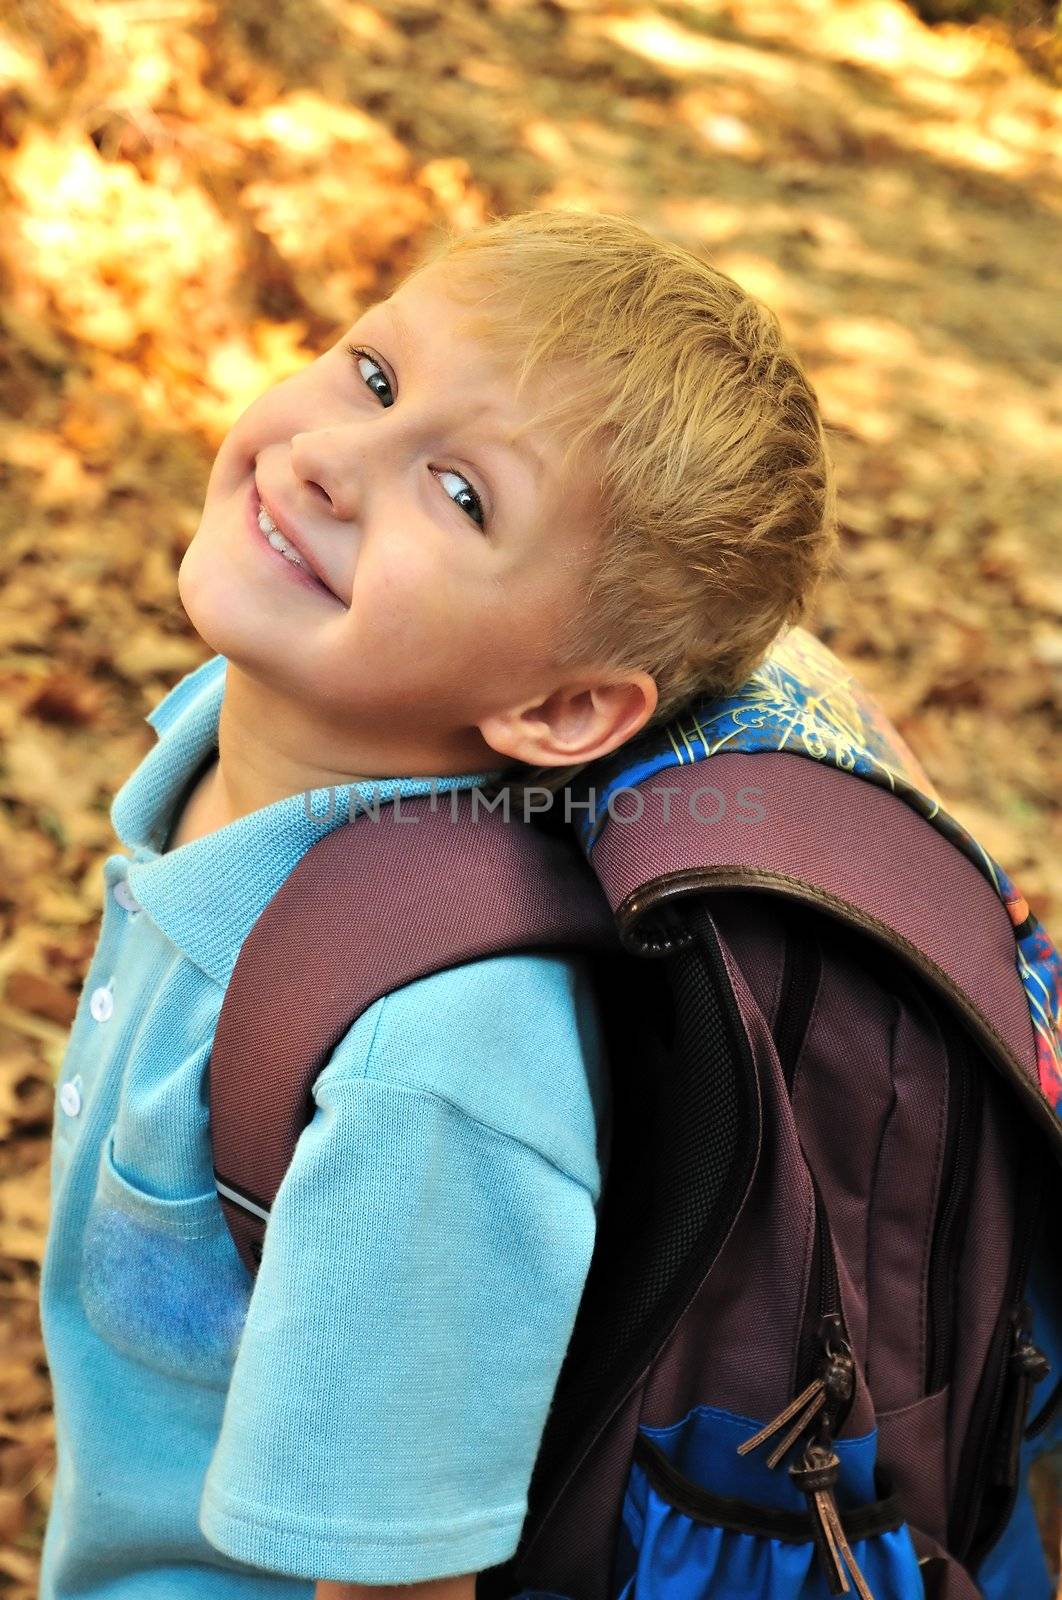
x=434 y=622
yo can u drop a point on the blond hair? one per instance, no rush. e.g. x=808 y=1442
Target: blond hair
x=680 y=386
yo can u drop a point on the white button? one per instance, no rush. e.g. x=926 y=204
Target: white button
x=101 y=1004
x=70 y=1099
x=124 y=896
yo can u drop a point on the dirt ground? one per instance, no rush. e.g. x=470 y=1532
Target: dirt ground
x=197 y=195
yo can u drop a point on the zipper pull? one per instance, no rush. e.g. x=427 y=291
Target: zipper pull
x=809 y=1403
x=1029 y=1366
x=815 y=1477
x=824 y=1394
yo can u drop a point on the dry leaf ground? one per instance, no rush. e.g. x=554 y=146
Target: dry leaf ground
x=196 y=195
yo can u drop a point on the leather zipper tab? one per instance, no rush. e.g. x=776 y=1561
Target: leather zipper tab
x=816 y=1477
x=819 y=1407
x=821 y=1401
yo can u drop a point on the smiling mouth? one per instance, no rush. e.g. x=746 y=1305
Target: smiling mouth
x=277 y=539
x=272 y=535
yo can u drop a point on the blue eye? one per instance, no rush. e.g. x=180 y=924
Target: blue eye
x=355 y=354
x=379 y=377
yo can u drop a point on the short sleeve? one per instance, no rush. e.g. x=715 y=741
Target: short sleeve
x=420 y=1277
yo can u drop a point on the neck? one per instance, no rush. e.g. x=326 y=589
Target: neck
x=270 y=748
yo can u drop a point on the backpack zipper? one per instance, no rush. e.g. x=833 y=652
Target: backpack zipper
x=949 y=1233
x=990 y=1455
x=825 y=1373
x=818 y=1411
x=823 y=1315
x=1027 y=1364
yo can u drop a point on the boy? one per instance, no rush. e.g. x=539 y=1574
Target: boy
x=413 y=571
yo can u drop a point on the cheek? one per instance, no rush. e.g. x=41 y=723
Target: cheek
x=422 y=566
x=418 y=595
x=272 y=418
x=235 y=458
x=266 y=421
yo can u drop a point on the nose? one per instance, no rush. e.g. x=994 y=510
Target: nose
x=323 y=465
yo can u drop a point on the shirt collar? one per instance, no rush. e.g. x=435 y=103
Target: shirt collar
x=207 y=894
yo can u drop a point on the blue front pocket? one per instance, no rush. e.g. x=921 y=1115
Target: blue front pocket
x=160 y=1279
x=702 y=1523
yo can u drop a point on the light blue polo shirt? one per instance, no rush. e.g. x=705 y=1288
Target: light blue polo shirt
x=371 y=1412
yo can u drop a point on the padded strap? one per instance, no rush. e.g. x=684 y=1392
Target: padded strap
x=783 y=823
x=382 y=899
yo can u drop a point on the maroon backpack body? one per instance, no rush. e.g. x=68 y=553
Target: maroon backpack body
x=812 y=1353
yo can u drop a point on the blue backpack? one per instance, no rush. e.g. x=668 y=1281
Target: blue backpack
x=820 y=1340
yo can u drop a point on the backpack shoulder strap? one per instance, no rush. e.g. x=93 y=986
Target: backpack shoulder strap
x=804 y=713
x=375 y=903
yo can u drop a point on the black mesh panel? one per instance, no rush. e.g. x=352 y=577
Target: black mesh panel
x=682 y=1144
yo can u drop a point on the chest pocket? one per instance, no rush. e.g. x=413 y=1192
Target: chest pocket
x=160 y=1279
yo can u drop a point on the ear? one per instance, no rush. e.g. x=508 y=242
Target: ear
x=575 y=723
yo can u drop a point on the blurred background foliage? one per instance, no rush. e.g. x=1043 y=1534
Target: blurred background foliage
x=197 y=196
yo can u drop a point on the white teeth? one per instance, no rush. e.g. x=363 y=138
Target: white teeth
x=277 y=539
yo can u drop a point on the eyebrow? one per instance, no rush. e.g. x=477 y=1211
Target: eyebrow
x=523 y=447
